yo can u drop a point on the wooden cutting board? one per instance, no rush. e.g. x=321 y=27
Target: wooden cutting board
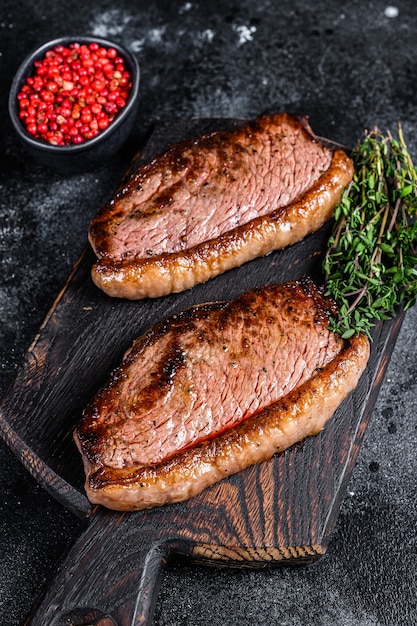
x=280 y=512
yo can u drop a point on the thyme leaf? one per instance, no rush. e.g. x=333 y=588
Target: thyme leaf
x=369 y=266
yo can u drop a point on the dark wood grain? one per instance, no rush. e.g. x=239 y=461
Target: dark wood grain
x=279 y=512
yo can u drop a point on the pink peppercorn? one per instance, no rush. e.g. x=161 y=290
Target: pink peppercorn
x=76 y=91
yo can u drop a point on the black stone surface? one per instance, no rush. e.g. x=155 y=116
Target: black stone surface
x=349 y=66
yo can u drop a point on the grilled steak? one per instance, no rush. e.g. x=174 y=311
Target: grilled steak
x=212 y=390
x=210 y=204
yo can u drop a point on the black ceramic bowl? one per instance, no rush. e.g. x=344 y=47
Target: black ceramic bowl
x=93 y=152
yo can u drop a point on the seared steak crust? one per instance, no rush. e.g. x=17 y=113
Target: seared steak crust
x=212 y=390
x=212 y=203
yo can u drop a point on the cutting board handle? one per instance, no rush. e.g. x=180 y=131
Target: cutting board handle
x=111 y=576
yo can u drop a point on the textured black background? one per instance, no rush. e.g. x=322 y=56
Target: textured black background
x=349 y=66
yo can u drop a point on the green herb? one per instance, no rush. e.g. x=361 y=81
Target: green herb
x=370 y=261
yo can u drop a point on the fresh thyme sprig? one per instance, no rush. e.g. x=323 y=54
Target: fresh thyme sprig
x=370 y=261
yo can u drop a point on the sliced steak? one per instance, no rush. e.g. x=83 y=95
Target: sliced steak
x=212 y=390
x=210 y=204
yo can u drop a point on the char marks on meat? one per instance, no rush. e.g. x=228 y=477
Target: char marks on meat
x=214 y=389
x=212 y=203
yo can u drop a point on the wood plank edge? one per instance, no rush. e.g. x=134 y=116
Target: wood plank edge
x=251 y=557
x=54 y=484
x=391 y=335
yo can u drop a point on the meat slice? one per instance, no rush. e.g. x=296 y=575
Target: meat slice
x=212 y=390
x=210 y=204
